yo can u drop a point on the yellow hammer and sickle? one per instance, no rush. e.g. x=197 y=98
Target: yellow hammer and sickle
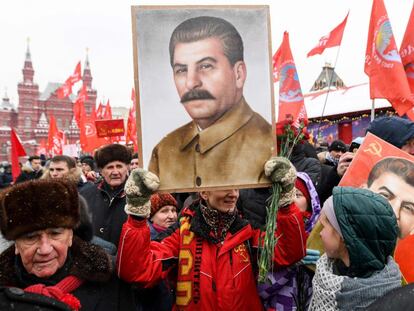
x=375 y=149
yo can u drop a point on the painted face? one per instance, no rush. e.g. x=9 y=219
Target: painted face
x=134 y=164
x=401 y=198
x=221 y=200
x=165 y=217
x=44 y=252
x=300 y=201
x=409 y=146
x=208 y=85
x=331 y=239
x=36 y=164
x=115 y=173
x=58 y=169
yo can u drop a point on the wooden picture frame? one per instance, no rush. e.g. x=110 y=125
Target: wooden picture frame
x=159 y=111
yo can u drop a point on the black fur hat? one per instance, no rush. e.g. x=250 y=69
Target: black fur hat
x=110 y=153
x=37 y=205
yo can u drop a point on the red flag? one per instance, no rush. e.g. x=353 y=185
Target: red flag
x=131 y=134
x=55 y=139
x=332 y=39
x=99 y=111
x=276 y=64
x=108 y=111
x=17 y=151
x=383 y=64
x=77 y=75
x=88 y=138
x=66 y=88
x=291 y=103
x=407 y=56
x=79 y=105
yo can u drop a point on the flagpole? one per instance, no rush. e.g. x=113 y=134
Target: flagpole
x=329 y=89
x=373 y=110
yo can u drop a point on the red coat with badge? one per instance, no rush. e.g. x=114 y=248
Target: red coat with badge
x=209 y=276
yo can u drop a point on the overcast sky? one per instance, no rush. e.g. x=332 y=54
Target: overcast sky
x=60 y=32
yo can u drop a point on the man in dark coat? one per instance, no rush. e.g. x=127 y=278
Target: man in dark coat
x=31 y=171
x=6 y=178
x=106 y=200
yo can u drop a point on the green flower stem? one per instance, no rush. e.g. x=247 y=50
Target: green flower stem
x=267 y=249
x=270 y=241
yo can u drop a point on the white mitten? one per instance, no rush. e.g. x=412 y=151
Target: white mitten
x=141 y=184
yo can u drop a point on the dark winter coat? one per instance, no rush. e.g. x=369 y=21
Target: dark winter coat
x=310 y=166
x=107 y=210
x=101 y=290
x=5 y=179
x=329 y=180
x=28 y=174
x=398 y=299
x=161 y=296
x=252 y=205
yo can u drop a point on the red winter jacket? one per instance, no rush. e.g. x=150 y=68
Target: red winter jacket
x=210 y=276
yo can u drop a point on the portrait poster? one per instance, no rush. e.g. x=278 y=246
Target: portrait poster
x=373 y=151
x=190 y=149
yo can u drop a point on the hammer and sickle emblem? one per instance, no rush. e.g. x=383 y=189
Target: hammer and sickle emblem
x=241 y=250
x=375 y=149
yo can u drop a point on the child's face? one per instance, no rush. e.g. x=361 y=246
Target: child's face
x=330 y=238
x=300 y=201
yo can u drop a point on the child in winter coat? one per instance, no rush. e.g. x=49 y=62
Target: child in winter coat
x=359 y=236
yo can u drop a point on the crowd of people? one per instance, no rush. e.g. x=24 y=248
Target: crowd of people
x=93 y=234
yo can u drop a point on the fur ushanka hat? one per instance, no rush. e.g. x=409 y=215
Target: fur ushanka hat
x=37 y=205
x=110 y=153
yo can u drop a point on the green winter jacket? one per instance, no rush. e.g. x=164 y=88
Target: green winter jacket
x=369 y=228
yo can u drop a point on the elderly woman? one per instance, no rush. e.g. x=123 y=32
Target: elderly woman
x=48 y=266
x=163 y=213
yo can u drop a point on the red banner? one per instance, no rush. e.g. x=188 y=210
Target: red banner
x=110 y=128
x=291 y=103
x=387 y=78
x=334 y=38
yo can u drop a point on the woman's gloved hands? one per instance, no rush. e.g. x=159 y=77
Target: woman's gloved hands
x=281 y=170
x=141 y=184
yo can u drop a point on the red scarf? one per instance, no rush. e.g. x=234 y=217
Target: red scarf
x=61 y=291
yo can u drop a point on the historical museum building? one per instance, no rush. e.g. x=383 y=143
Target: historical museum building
x=31 y=116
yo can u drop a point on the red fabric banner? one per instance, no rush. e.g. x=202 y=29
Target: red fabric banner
x=79 y=105
x=383 y=64
x=332 y=39
x=17 y=151
x=66 y=89
x=110 y=128
x=291 y=103
x=88 y=137
x=131 y=134
x=407 y=57
x=108 y=111
x=55 y=139
x=99 y=111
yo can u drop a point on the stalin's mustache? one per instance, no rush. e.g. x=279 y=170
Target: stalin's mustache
x=196 y=94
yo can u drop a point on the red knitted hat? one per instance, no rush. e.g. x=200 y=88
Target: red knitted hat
x=300 y=185
x=159 y=200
